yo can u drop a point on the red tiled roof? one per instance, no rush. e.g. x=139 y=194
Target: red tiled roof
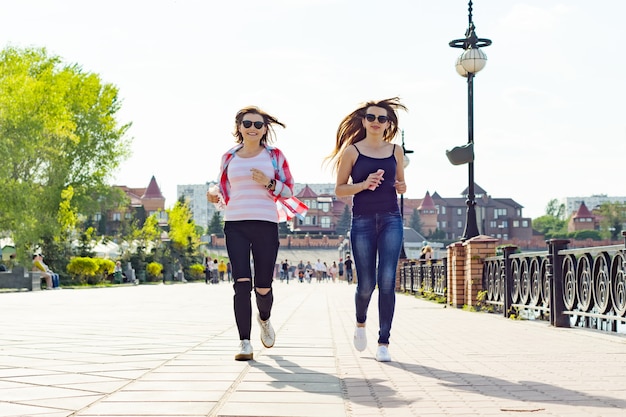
x=306 y=192
x=153 y=190
x=583 y=211
x=427 y=202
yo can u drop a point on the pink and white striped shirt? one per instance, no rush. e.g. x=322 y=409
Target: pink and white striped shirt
x=287 y=206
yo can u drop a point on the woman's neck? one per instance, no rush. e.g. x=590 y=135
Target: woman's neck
x=373 y=141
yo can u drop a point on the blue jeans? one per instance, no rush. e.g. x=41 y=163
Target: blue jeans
x=376 y=237
x=55 y=279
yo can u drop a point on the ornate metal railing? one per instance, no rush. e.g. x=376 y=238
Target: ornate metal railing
x=419 y=277
x=569 y=287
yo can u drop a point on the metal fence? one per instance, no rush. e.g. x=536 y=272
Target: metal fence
x=569 y=287
x=419 y=277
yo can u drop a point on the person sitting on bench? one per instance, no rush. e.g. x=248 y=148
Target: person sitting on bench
x=52 y=279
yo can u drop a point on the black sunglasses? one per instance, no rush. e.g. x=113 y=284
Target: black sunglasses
x=248 y=123
x=372 y=117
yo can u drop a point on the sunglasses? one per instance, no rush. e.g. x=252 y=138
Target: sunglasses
x=248 y=123
x=381 y=119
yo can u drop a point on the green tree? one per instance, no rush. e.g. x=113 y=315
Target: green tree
x=216 y=225
x=416 y=222
x=184 y=239
x=613 y=218
x=552 y=224
x=343 y=224
x=58 y=129
x=555 y=209
x=587 y=234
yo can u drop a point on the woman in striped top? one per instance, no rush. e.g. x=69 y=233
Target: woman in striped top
x=253 y=178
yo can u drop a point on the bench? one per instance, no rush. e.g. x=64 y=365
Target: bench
x=20 y=279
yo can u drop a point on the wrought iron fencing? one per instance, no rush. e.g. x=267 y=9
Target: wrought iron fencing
x=419 y=277
x=569 y=287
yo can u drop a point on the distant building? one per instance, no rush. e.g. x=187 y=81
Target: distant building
x=195 y=196
x=572 y=204
x=325 y=210
x=143 y=202
x=501 y=218
x=583 y=219
x=497 y=217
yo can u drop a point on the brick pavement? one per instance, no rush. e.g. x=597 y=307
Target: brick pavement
x=167 y=350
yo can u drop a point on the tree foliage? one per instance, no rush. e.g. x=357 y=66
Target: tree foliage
x=552 y=224
x=416 y=222
x=343 y=224
x=59 y=140
x=554 y=209
x=184 y=238
x=613 y=218
x=216 y=225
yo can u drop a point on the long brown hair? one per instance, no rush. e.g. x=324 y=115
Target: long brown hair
x=351 y=128
x=269 y=120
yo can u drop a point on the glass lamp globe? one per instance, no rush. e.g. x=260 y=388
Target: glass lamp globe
x=473 y=60
x=459 y=67
x=406 y=161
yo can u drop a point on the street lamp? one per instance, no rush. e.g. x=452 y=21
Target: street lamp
x=405 y=163
x=468 y=64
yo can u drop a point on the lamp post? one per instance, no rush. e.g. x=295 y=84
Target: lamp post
x=405 y=163
x=468 y=64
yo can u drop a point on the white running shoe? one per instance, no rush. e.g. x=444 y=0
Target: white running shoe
x=267 y=332
x=382 y=354
x=246 y=352
x=360 y=339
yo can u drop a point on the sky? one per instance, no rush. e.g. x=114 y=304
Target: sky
x=549 y=107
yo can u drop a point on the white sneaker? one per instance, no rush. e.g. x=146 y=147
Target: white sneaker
x=246 y=352
x=267 y=332
x=382 y=354
x=360 y=339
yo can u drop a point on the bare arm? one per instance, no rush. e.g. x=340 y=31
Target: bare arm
x=342 y=187
x=399 y=184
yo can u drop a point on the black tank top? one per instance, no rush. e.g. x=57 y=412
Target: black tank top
x=384 y=198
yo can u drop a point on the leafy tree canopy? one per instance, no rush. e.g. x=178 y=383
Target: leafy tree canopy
x=552 y=224
x=59 y=141
x=416 y=222
x=343 y=225
x=613 y=218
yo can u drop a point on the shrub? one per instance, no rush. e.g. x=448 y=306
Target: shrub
x=154 y=271
x=105 y=267
x=196 y=271
x=84 y=270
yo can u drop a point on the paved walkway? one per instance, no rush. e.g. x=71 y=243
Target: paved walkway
x=167 y=350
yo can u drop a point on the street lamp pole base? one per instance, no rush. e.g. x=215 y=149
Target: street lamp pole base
x=471 y=226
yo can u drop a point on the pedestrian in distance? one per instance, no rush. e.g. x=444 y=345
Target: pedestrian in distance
x=285 y=270
x=340 y=269
x=349 y=270
x=370 y=168
x=332 y=271
x=207 y=269
x=255 y=186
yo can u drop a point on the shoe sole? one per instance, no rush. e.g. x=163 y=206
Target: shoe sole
x=244 y=357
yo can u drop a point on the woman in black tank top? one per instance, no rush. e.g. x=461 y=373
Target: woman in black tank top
x=370 y=168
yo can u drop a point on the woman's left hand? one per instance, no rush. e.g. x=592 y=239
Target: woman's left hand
x=400 y=187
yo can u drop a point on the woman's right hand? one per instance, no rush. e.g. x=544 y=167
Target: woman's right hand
x=212 y=198
x=373 y=180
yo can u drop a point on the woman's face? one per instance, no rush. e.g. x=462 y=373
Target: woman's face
x=252 y=127
x=375 y=120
